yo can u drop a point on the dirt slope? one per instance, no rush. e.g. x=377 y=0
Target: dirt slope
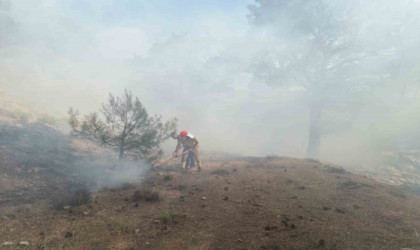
x=250 y=203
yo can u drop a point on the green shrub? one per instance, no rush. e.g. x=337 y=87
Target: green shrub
x=171 y=216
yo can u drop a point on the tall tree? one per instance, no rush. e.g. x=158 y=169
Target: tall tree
x=320 y=47
x=127 y=127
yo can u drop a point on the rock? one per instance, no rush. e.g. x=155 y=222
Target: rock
x=226 y=198
x=8 y=243
x=147 y=243
x=137 y=231
x=203 y=198
x=24 y=243
x=405 y=248
x=86 y=213
x=66 y=207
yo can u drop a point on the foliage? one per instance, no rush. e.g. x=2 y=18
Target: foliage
x=145 y=195
x=81 y=196
x=168 y=178
x=127 y=127
x=322 y=47
x=322 y=52
x=171 y=216
x=19 y=115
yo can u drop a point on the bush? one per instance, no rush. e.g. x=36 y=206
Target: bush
x=80 y=197
x=142 y=141
x=171 y=217
x=311 y=160
x=145 y=195
x=411 y=188
x=168 y=178
x=334 y=170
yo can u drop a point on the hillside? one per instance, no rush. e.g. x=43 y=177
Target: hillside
x=245 y=203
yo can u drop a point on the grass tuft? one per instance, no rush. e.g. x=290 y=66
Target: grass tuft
x=171 y=216
x=145 y=195
x=220 y=172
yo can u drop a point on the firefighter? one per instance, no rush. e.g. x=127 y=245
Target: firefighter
x=189 y=144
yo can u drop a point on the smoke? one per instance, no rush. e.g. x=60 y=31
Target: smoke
x=109 y=173
x=197 y=62
x=48 y=155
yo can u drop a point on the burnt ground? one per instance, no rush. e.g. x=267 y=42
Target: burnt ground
x=247 y=203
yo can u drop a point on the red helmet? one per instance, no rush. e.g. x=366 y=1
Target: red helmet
x=183 y=133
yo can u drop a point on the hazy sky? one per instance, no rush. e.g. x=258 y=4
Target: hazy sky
x=87 y=46
x=189 y=59
x=72 y=53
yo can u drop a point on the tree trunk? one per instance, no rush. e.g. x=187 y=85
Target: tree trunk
x=314 y=143
x=122 y=143
x=122 y=150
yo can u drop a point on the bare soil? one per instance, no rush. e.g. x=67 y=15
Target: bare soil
x=247 y=203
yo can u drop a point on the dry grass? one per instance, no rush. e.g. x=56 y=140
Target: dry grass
x=220 y=172
x=265 y=209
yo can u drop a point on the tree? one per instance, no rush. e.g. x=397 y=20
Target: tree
x=322 y=47
x=127 y=127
